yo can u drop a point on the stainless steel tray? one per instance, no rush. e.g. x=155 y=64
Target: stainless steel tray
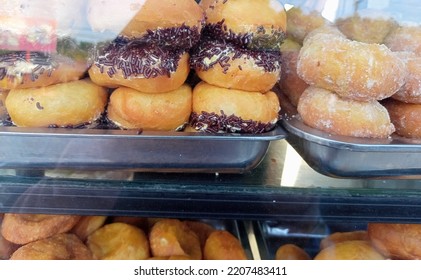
x=351 y=157
x=108 y=149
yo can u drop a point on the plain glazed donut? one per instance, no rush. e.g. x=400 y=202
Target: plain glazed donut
x=147 y=69
x=217 y=109
x=164 y=23
x=352 y=69
x=398 y=241
x=62 y=105
x=132 y=109
x=226 y=65
x=172 y=237
x=25 y=228
x=20 y=70
x=119 y=241
x=406 y=117
x=350 y=250
x=237 y=21
x=222 y=245
x=63 y=246
x=325 y=110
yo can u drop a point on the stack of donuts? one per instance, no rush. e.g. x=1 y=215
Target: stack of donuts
x=238 y=63
x=72 y=237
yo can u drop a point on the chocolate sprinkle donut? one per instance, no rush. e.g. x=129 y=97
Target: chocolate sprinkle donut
x=219 y=123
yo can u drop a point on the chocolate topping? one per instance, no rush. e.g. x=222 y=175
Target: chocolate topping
x=212 y=52
x=219 y=123
x=134 y=58
x=262 y=39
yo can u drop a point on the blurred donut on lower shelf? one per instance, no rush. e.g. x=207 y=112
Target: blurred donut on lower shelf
x=291 y=252
x=222 y=245
x=350 y=250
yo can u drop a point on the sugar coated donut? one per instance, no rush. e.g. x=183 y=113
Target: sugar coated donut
x=227 y=65
x=350 y=250
x=404 y=38
x=217 y=109
x=132 y=109
x=63 y=246
x=300 y=22
x=144 y=68
x=406 y=117
x=119 y=241
x=352 y=69
x=398 y=241
x=164 y=23
x=291 y=252
x=237 y=21
x=69 y=104
x=25 y=228
x=325 y=110
x=222 y=245
x=172 y=237
x=410 y=92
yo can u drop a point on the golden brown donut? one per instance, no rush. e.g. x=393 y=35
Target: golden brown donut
x=63 y=246
x=20 y=70
x=119 y=241
x=406 y=117
x=6 y=247
x=64 y=105
x=350 y=250
x=202 y=230
x=366 y=28
x=217 y=109
x=147 y=69
x=87 y=225
x=399 y=241
x=290 y=83
x=291 y=252
x=237 y=21
x=352 y=69
x=301 y=22
x=222 y=245
x=325 y=110
x=131 y=109
x=171 y=237
x=25 y=228
x=338 y=237
x=410 y=92
x=404 y=38
x=229 y=66
x=167 y=22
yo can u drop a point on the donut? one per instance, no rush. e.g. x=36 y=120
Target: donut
x=350 y=250
x=229 y=66
x=201 y=229
x=300 y=22
x=69 y=104
x=367 y=26
x=404 y=38
x=352 y=69
x=118 y=241
x=217 y=109
x=222 y=245
x=132 y=109
x=410 y=92
x=237 y=21
x=87 y=225
x=172 y=237
x=290 y=83
x=6 y=247
x=397 y=241
x=21 y=70
x=338 y=237
x=25 y=228
x=171 y=23
x=144 y=68
x=324 y=110
x=291 y=252
x=63 y=246
x=406 y=117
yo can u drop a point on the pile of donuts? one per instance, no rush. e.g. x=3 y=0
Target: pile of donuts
x=171 y=65
x=380 y=241
x=359 y=76
x=72 y=237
